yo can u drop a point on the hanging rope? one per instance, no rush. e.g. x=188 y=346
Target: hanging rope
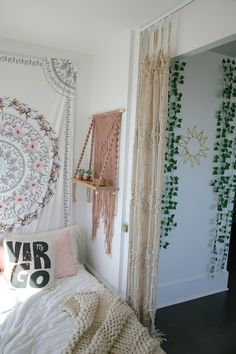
x=91 y=129
x=104 y=131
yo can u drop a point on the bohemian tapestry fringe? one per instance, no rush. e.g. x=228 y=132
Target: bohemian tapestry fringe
x=104 y=131
x=106 y=158
x=148 y=171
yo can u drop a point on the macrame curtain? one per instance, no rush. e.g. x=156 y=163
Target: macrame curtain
x=106 y=153
x=148 y=170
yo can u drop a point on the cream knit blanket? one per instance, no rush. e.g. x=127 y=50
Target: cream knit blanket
x=104 y=324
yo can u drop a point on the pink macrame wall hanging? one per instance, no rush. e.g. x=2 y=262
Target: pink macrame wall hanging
x=104 y=158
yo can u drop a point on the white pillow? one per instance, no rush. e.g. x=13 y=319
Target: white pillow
x=29 y=262
x=74 y=233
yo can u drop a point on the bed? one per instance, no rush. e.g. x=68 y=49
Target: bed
x=51 y=321
x=21 y=332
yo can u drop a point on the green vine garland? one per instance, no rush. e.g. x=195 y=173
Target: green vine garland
x=171 y=181
x=224 y=167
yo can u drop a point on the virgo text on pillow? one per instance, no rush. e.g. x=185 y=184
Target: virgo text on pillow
x=30 y=264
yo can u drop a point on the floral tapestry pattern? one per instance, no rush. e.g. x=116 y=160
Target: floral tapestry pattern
x=61 y=75
x=36 y=142
x=29 y=163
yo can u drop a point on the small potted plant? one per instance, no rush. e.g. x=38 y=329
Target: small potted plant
x=89 y=175
x=81 y=174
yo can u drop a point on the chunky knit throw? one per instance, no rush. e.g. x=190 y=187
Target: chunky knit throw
x=104 y=324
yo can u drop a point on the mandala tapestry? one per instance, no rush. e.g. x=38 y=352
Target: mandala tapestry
x=29 y=163
x=36 y=126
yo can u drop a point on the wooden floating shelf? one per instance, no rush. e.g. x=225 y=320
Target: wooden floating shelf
x=89 y=184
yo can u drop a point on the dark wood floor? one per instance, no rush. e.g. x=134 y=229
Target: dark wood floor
x=203 y=326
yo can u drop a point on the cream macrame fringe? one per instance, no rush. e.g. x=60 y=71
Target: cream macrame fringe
x=148 y=171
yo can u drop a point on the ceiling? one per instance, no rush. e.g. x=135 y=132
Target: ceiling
x=76 y=25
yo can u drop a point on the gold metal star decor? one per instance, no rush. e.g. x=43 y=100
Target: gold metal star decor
x=193 y=146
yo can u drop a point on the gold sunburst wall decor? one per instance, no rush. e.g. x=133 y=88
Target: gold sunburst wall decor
x=193 y=146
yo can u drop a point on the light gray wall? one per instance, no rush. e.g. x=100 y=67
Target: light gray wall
x=183 y=267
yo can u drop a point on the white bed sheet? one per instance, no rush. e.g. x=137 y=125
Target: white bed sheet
x=38 y=325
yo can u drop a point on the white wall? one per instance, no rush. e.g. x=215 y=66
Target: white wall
x=82 y=102
x=198 y=27
x=104 y=83
x=110 y=79
x=203 y=23
x=114 y=78
x=183 y=267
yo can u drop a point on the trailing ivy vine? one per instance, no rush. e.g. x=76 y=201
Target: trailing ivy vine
x=224 y=167
x=171 y=180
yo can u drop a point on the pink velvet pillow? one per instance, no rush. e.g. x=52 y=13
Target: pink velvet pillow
x=1 y=259
x=64 y=265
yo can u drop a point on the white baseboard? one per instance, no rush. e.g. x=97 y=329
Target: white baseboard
x=189 y=289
